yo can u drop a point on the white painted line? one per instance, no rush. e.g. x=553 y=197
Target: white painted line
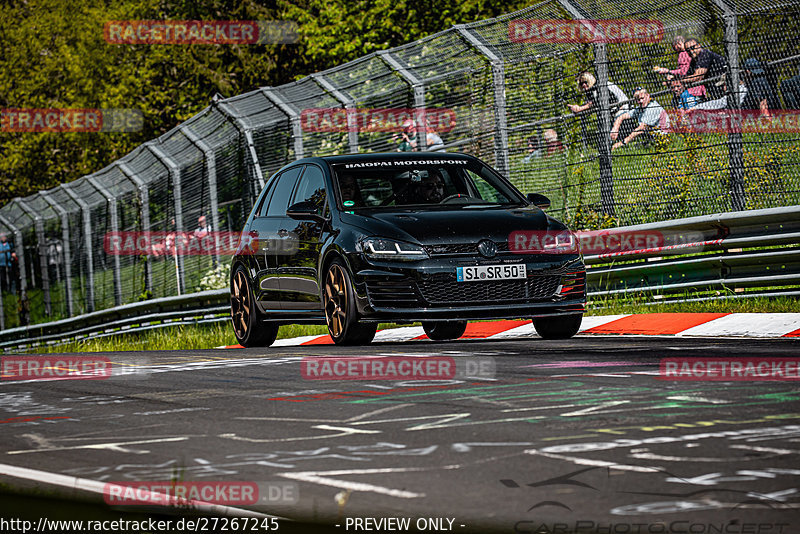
x=403 y=333
x=292 y=341
x=314 y=477
x=102 y=488
x=747 y=324
x=119 y=446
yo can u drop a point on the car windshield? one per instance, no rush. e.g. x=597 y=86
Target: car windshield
x=380 y=184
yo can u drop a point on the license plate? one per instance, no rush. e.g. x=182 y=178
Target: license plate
x=482 y=273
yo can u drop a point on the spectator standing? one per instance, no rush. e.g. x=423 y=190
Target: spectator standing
x=203 y=228
x=706 y=66
x=684 y=60
x=407 y=138
x=587 y=85
x=649 y=115
x=7 y=256
x=759 y=91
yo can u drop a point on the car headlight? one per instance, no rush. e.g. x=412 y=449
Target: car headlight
x=378 y=248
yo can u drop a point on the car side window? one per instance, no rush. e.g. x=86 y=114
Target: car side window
x=282 y=192
x=311 y=188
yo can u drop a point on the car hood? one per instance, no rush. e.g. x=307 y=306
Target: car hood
x=463 y=225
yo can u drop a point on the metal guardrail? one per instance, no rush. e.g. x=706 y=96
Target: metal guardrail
x=705 y=253
x=199 y=307
x=694 y=254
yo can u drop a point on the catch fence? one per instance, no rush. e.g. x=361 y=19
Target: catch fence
x=498 y=89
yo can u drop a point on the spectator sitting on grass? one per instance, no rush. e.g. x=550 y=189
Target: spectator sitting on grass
x=552 y=143
x=722 y=102
x=648 y=113
x=683 y=99
x=534 y=151
x=684 y=60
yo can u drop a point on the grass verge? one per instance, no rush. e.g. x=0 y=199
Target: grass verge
x=193 y=337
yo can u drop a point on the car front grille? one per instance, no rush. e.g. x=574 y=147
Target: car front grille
x=393 y=294
x=448 y=291
x=458 y=249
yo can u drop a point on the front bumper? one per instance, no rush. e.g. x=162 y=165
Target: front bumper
x=428 y=290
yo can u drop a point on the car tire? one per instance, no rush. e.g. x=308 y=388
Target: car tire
x=341 y=314
x=444 y=330
x=558 y=326
x=249 y=329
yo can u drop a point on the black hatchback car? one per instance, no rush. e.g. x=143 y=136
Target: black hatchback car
x=441 y=238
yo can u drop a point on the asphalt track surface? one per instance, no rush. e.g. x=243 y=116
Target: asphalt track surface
x=548 y=437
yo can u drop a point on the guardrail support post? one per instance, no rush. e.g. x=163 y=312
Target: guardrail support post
x=67 y=248
x=42 y=242
x=87 y=236
x=735 y=151
x=418 y=88
x=499 y=78
x=349 y=106
x=175 y=172
x=112 y=205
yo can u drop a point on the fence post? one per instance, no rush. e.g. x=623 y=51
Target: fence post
x=67 y=249
x=175 y=172
x=499 y=79
x=349 y=106
x=735 y=149
x=144 y=197
x=87 y=236
x=211 y=164
x=604 y=111
x=418 y=88
x=112 y=203
x=276 y=98
x=42 y=242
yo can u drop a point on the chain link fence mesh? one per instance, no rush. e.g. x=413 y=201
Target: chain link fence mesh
x=568 y=117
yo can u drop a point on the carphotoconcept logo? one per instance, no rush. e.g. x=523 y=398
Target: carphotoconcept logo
x=555 y=31
x=441 y=120
x=55 y=368
x=730 y=369
x=62 y=120
x=204 y=32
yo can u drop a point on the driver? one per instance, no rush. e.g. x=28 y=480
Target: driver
x=431 y=189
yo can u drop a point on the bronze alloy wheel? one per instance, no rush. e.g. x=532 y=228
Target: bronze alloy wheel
x=336 y=300
x=250 y=331
x=240 y=304
x=340 y=308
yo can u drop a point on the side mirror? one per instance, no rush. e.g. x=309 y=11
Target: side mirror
x=540 y=201
x=305 y=211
